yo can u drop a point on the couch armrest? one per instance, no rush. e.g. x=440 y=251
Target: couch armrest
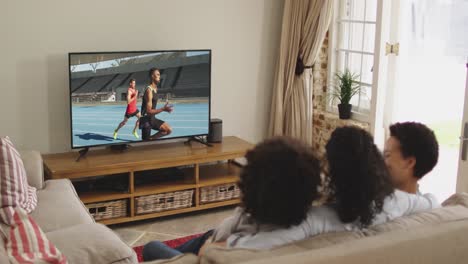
x=92 y=243
x=34 y=168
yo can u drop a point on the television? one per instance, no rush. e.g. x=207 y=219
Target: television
x=136 y=96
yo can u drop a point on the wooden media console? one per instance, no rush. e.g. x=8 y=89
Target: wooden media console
x=202 y=171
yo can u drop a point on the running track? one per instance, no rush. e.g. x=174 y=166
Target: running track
x=94 y=125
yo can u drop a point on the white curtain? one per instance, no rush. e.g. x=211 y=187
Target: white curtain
x=305 y=24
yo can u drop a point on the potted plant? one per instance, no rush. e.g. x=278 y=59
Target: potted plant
x=346 y=86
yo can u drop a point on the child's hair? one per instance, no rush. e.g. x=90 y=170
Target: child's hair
x=280 y=181
x=358 y=178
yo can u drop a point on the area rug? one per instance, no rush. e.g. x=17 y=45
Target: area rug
x=172 y=243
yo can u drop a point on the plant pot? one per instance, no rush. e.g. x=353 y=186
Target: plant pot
x=344 y=111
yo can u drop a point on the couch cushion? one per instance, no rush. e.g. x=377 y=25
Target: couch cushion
x=59 y=206
x=3 y=256
x=27 y=243
x=457 y=199
x=215 y=254
x=455 y=208
x=435 y=216
x=329 y=239
x=446 y=243
x=33 y=165
x=92 y=243
x=14 y=188
x=3 y=253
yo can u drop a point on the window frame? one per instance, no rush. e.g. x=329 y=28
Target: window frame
x=333 y=49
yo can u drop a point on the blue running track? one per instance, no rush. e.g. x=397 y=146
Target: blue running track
x=95 y=125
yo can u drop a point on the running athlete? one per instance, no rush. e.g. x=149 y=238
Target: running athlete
x=148 y=110
x=132 y=110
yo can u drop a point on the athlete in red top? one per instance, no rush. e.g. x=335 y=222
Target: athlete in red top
x=132 y=110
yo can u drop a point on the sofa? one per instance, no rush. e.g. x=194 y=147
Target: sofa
x=66 y=222
x=436 y=236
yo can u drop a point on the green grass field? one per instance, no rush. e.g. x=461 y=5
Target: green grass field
x=447 y=132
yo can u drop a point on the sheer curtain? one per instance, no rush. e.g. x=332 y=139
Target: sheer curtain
x=305 y=24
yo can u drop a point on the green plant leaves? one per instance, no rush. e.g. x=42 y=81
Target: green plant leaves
x=346 y=86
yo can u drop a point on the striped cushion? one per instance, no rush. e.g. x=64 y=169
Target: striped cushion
x=26 y=243
x=14 y=188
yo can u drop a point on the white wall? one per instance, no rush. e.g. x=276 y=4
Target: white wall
x=35 y=37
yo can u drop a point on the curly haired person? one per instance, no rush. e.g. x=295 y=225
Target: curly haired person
x=278 y=185
x=361 y=193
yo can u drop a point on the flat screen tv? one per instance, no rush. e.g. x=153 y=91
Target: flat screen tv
x=128 y=97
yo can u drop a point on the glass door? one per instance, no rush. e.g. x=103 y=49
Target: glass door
x=426 y=78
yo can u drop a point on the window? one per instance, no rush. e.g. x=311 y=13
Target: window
x=352 y=46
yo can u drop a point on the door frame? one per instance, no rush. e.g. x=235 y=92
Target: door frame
x=378 y=126
x=462 y=175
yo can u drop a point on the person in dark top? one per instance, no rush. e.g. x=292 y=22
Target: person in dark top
x=149 y=111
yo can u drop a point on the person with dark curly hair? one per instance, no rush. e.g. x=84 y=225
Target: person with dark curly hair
x=278 y=185
x=410 y=152
x=361 y=193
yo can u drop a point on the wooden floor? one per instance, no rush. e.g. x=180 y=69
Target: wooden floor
x=171 y=227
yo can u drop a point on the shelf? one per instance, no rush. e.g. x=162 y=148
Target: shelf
x=218 y=174
x=102 y=196
x=163 y=188
x=188 y=182
x=170 y=212
x=218 y=204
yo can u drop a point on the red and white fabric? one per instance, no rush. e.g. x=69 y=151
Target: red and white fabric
x=14 y=188
x=27 y=244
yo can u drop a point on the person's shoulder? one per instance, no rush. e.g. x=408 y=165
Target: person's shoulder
x=148 y=89
x=431 y=197
x=397 y=196
x=400 y=196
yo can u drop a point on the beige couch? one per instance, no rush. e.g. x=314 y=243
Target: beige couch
x=67 y=223
x=437 y=236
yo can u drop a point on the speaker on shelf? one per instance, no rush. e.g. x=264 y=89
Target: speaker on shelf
x=216 y=131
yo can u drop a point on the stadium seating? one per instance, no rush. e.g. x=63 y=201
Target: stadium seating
x=141 y=79
x=89 y=97
x=193 y=77
x=95 y=84
x=168 y=77
x=120 y=80
x=193 y=81
x=78 y=82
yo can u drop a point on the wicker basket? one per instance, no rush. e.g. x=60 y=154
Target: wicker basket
x=163 y=202
x=217 y=193
x=107 y=210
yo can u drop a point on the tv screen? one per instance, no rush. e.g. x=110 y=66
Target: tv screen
x=128 y=97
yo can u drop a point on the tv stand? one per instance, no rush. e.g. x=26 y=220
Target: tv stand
x=199 y=140
x=119 y=147
x=82 y=153
x=203 y=169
